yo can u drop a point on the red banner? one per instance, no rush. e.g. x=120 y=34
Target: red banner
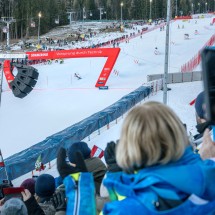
x=8 y=71
x=183 y=17
x=110 y=53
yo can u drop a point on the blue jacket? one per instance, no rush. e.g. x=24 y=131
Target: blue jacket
x=189 y=180
x=80 y=193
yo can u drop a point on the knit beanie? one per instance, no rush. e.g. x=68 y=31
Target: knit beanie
x=29 y=184
x=14 y=206
x=200 y=100
x=78 y=146
x=45 y=186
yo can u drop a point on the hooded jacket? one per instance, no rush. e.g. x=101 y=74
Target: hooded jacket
x=182 y=187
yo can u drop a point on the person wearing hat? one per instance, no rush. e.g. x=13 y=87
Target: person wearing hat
x=31 y=203
x=14 y=206
x=44 y=190
x=203 y=140
x=200 y=108
x=93 y=164
x=29 y=184
x=112 y=166
x=201 y=120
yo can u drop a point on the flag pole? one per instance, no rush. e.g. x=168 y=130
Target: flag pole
x=6 y=173
x=2 y=164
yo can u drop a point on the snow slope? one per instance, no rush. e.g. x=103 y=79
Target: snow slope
x=59 y=100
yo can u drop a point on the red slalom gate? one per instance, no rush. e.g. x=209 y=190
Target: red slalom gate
x=110 y=53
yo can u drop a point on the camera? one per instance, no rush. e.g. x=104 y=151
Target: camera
x=13 y=192
x=5 y=184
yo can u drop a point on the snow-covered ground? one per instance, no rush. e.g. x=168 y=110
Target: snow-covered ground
x=59 y=100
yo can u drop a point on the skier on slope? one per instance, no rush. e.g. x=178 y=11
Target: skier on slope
x=156 y=52
x=77 y=76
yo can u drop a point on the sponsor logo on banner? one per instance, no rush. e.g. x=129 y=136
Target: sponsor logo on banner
x=106 y=69
x=40 y=55
x=100 y=82
x=102 y=79
x=103 y=88
x=10 y=56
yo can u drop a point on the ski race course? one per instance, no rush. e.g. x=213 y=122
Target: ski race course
x=60 y=100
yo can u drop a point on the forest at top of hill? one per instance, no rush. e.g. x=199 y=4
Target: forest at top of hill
x=26 y=15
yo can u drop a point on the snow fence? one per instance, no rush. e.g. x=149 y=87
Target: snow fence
x=177 y=77
x=195 y=61
x=24 y=161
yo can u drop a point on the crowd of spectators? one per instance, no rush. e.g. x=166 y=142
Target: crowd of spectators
x=74 y=40
x=154 y=168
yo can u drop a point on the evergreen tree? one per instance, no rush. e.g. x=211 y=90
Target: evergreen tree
x=26 y=11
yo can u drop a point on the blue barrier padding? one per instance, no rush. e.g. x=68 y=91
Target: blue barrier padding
x=24 y=161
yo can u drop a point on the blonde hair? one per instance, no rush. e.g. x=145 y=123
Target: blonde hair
x=151 y=134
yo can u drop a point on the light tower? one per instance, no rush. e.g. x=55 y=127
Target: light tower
x=39 y=16
x=121 y=5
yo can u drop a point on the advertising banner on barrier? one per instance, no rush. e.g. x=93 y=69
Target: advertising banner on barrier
x=13 y=55
x=8 y=71
x=110 y=53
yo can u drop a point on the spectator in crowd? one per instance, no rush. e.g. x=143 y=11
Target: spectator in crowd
x=44 y=189
x=31 y=203
x=14 y=206
x=58 y=201
x=2 y=186
x=79 y=184
x=206 y=149
x=93 y=164
x=110 y=159
x=202 y=124
x=29 y=184
x=161 y=173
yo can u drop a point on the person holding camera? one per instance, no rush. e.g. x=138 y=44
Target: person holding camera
x=202 y=123
x=203 y=140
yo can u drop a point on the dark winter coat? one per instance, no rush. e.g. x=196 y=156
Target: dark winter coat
x=201 y=128
x=98 y=168
x=47 y=206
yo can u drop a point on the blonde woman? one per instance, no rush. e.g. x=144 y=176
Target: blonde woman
x=161 y=175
